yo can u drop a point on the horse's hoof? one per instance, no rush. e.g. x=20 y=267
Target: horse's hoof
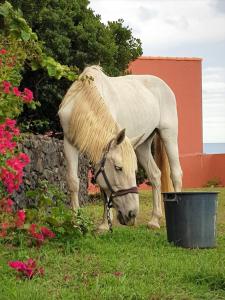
x=153 y=225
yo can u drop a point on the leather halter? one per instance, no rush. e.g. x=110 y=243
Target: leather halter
x=114 y=194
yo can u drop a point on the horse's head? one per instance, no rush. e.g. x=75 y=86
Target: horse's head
x=116 y=177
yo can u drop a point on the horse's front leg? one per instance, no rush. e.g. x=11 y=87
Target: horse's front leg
x=104 y=226
x=71 y=155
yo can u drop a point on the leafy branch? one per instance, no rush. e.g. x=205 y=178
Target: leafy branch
x=16 y=26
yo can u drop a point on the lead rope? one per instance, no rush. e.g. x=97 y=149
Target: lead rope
x=108 y=217
x=108 y=202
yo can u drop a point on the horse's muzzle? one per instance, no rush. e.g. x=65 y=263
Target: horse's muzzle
x=128 y=220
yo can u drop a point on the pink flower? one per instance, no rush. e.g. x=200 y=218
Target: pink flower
x=32 y=228
x=10 y=123
x=20 y=218
x=7 y=133
x=12 y=174
x=42 y=235
x=47 y=232
x=27 y=95
x=16 y=131
x=16 y=92
x=9 y=202
x=3 y=51
x=24 y=158
x=28 y=268
x=11 y=180
x=38 y=236
x=17 y=264
x=6 y=86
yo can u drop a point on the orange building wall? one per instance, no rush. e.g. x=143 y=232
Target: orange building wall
x=184 y=76
x=185 y=79
x=201 y=168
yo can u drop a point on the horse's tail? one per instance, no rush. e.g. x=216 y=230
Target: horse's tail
x=162 y=162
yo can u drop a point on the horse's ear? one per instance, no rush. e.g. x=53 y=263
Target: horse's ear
x=120 y=137
x=136 y=141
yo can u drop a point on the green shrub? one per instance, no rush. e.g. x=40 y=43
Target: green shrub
x=51 y=208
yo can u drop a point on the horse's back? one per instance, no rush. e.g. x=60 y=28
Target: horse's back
x=149 y=84
x=140 y=101
x=165 y=98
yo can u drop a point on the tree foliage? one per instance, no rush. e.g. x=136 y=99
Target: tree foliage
x=128 y=47
x=16 y=29
x=73 y=35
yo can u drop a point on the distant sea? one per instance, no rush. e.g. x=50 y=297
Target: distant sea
x=214 y=148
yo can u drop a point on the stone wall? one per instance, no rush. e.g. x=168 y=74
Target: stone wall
x=48 y=163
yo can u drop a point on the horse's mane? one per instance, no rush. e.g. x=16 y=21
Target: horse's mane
x=91 y=125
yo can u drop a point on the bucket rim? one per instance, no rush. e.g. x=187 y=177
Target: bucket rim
x=189 y=192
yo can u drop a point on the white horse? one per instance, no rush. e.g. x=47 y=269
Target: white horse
x=92 y=114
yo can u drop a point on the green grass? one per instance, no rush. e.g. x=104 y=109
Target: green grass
x=132 y=263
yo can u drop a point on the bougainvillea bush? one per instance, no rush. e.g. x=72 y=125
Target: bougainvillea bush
x=38 y=224
x=12 y=161
x=12 y=59
x=14 y=227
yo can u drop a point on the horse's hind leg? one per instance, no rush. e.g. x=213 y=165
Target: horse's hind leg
x=144 y=155
x=71 y=155
x=169 y=137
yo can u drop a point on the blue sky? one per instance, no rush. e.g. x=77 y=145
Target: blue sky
x=185 y=28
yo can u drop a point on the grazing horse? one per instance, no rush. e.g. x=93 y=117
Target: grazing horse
x=93 y=114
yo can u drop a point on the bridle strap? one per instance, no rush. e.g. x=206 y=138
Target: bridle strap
x=102 y=171
x=107 y=182
x=132 y=190
x=102 y=165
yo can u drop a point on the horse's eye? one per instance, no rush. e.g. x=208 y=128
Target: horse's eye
x=117 y=168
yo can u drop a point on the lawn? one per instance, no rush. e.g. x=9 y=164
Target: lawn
x=131 y=263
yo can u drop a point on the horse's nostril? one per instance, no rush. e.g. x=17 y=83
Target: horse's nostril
x=121 y=218
x=132 y=214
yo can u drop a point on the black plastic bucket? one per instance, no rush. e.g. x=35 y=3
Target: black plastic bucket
x=191 y=218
